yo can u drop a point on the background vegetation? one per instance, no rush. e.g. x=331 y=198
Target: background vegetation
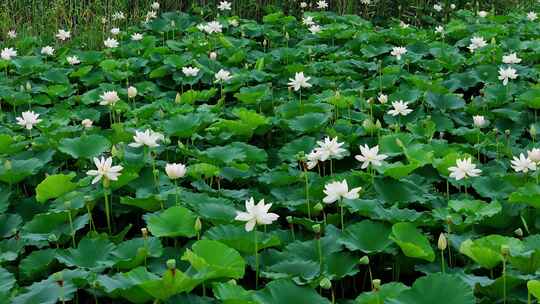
x=43 y=18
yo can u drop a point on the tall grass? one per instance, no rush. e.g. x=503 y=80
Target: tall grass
x=43 y=18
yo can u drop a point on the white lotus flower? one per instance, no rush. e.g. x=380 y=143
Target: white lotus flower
x=87 y=123
x=12 y=34
x=523 y=164
x=151 y=15
x=190 y=71
x=482 y=14
x=403 y=25
x=452 y=6
x=47 y=50
x=105 y=170
x=315 y=28
x=382 y=99
x=464 y=168
x=397 y=51
x=110 y=43
x=28 y=119
x=322 y=4
x=511 y=59
x=136 y=36
x=338 y=190
x=155 y=6
x=224 y=6
x=534 y=155
x=437 y=7
x=299 y=81
x=479 y=121
x=330 y=148
x=507 y=74
x=303 y=4
x=477 y=43
x=8 y=53
x=366 y=2
x=132 y=92
x=109 y=98
x=222 y=76
x=115 y=31
x=370 y=156
x=118 y=16
x=256 y=214
x=439 y=29
x=213 y=27
x=532 y=16
x=212 y=55
x=400 y=108
x=175 y=171
x=313 y=158
x=73 y=60
x=147 y=138
x=63 y=35
x=308 y=20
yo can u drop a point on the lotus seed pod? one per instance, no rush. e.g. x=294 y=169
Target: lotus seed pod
x=171 y=264
x=442 y=243
x=58 y=276
x=505 y=250
x=507 y=132
x=289 y=219
x=52 y=238
x=518 y=232
x=364 y=260
x=376 y=284
x=449 y=219
x=325 y=283
x=316 y=228
x=67 y=205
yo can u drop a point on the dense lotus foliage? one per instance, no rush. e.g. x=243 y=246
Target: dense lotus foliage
x=314 y=160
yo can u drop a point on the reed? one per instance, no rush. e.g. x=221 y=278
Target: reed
x=42 y=18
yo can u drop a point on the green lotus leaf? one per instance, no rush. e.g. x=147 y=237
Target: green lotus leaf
x=237 y=238
x=54 y=186
x=367 y=236
x=412 y=242
x=486 y=251
x=91 y=253
x=436 y=288
x=86 y=146
x=285 y=291
x=212 y=259
x=172 y=222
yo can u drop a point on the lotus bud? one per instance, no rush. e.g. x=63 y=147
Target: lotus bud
x=316 y=228
x=532 y=131
x=52 y=238
x=178 y=98
x=325 y=283
x=518 y=232
x=212 y=55
x=132 y=92
x=507 y=132
x=7 y=165
x=289 y=219
x=114 y=151
x=376 y=284
x=58 y=277
x=399 y=143
x=442 y=243
x=265 y=42
x=171 y=264
x=505 y=250
x=318 y=207
x=287 y=35
x=364 y=260
x=493 y=41
x=28 y=86
x=198 y=224
x=144 y=233
x=449 y=219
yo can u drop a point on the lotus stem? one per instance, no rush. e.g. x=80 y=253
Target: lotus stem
x=256 y=258
x=107 y=208
x=71 y=228
x=504 y=280
x=442 y=261
x=307 y=193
